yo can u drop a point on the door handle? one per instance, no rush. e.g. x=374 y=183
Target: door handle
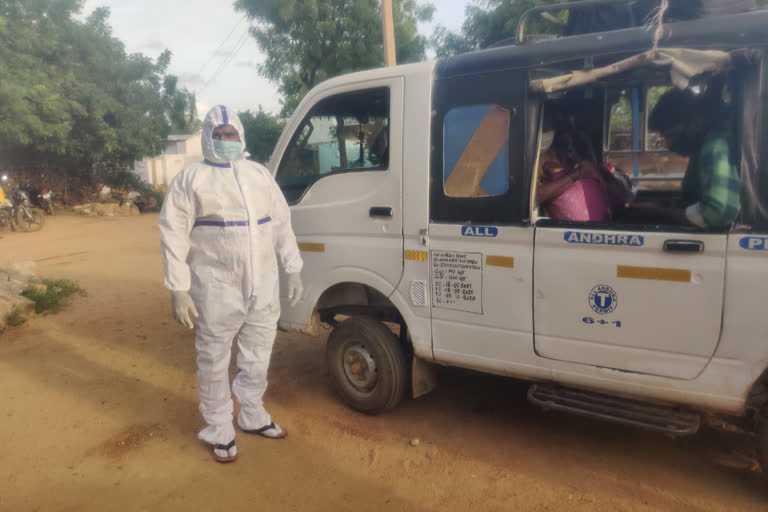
x=380 y=211
x=683 y=245
x=423 y=236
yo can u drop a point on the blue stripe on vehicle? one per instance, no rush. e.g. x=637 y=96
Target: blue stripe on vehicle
x=224 y=116
x=263 y=221
x=221 y=223
x=226 y=165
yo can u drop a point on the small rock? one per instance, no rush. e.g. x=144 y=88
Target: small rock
x=415 y=442
x=373 y=456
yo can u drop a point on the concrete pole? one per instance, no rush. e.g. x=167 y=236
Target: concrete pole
x=388 y=28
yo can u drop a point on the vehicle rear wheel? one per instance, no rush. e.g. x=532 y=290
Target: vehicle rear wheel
x=368 y=368
x=762 y=440
x=30 y=220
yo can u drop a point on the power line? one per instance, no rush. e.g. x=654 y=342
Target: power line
x=235 y=50
x=214 y=53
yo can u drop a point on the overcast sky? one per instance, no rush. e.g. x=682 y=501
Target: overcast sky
x=203 y=35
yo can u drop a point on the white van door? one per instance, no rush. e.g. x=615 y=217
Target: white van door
x=480 y=246
x=638 y=301
x=343 y=179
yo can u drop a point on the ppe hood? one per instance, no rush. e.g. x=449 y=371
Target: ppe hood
x=216 y=116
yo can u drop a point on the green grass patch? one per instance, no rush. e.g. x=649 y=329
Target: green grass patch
x=15 y=318
x=49 y=294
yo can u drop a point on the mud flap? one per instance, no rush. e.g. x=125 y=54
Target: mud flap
x=423 y=377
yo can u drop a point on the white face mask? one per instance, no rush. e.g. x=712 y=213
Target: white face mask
x=546 y=140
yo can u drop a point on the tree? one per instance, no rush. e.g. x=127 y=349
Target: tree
x=308 y=41
x=487 y=22
x=261 y=133
x=180 y=107
x=69 y=92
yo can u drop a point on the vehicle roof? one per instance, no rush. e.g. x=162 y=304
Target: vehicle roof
x=376 y=74
x=739 y=30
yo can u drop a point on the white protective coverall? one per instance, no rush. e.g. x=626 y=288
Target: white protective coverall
x=223 y=226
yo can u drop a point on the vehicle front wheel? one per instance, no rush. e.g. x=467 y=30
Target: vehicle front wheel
x=367 y=365
x=30 y=220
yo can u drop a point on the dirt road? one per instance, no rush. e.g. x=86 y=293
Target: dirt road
x=98 y=412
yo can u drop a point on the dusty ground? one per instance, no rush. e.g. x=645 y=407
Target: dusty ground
x=98 y=412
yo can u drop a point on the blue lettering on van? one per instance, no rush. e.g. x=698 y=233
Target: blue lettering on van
x=482 y=231
x=754 y=243
x=594 y=238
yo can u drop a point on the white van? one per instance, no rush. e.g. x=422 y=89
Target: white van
x=413 y=194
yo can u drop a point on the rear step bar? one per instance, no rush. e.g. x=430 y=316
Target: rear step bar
x=618 y=410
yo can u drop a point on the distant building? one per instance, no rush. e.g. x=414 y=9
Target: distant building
x=180 y=150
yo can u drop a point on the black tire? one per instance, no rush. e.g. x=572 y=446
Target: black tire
x=365 y=338
x=762 y=440
x=24 y=223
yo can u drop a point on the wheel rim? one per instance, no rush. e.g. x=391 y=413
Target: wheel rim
x=359 y=368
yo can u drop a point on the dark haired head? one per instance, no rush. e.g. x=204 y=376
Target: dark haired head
x=675 y=107
x=564 y=145
x=683 y=119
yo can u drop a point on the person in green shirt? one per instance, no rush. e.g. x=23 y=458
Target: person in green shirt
x=711 y=186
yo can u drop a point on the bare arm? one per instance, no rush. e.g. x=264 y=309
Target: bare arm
x=551 y=190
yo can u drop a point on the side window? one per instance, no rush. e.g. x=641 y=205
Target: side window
x=631 y=146
x=343 y=133
x=620 y=131
x=476 y=151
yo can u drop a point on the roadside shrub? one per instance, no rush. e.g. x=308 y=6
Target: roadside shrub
x=49 y=294
x=15 y=318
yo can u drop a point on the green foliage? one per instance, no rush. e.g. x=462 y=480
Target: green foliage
x=69 y=89
x=15 y=318
x=49 y=294
x=308 y=41
x=488 y=22
x=261 y=133
x=180 y=107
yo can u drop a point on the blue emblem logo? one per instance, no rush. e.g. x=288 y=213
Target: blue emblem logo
x=481 y=231
x=754 y=243
x=603 y=299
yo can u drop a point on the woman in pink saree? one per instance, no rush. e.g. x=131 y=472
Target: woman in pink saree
x=571 y=186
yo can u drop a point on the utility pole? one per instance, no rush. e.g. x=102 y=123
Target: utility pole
x=388 y=28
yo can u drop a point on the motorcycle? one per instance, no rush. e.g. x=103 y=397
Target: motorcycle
x=17 y=213
x=43 y=199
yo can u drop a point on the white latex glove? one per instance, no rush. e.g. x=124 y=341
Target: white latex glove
x=295 y=288
x=184 y=310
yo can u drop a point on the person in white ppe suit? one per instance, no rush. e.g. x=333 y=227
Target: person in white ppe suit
x=224 y=225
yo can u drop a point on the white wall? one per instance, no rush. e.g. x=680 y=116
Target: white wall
x=162 y=169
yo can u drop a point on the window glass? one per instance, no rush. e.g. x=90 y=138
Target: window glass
x=652 y=166
x=620 y=121
x=476 y=151
x=344 y=133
